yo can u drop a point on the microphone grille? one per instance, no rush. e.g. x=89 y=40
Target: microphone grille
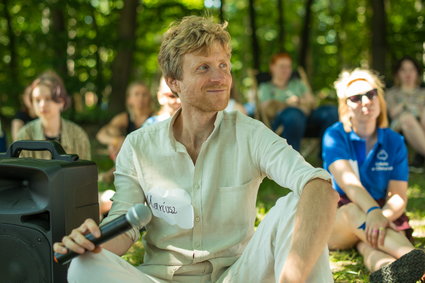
x=139 y=215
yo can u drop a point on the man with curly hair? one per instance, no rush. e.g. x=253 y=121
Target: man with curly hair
x=199 y=172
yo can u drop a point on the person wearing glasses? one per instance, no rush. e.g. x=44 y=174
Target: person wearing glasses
x=368 y=164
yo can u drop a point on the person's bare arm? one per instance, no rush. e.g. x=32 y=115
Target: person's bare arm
x=394 y=108
x=350 y=183
x=313 y=224
x=308 y=101
x=396 y=200
x=270 y=108
x=113 y=132
x=78 y=243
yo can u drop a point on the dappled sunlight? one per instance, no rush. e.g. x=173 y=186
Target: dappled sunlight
x=349 y=178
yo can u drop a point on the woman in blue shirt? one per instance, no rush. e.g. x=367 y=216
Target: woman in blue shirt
x=368 y=163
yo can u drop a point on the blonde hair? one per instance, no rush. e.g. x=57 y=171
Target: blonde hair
x=345 y=79
x=191 y=34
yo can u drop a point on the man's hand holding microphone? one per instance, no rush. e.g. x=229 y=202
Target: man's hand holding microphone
x=89 y=235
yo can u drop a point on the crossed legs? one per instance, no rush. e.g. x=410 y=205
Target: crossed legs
x=346 y=234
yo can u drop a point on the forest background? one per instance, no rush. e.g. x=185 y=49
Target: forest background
x=99 y=46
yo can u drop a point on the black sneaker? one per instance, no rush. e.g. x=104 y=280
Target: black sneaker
x=408 y=268
x=417 y=165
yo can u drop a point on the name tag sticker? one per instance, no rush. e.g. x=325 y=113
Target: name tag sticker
x=172 y=205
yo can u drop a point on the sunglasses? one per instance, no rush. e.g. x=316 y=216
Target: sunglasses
x=358 y=97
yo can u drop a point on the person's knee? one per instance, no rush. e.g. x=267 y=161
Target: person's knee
x=352 y=214
x=293 y=117
x=81 y=266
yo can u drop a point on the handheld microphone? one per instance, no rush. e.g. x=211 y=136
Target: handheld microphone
x=137 y=216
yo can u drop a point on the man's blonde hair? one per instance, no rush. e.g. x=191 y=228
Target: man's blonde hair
x=345 y=79
x=191 y=34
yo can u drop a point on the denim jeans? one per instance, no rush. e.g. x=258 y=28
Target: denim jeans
x=297 y=125
x=2 y=141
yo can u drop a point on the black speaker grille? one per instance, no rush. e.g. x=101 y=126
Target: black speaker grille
x=26 y=254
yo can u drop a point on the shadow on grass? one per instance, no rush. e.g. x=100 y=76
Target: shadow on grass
x=347 y=266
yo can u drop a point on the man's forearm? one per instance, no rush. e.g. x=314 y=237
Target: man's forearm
x=314 y=220
x=118 y=245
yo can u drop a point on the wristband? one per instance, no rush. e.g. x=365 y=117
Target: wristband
x=372 y=209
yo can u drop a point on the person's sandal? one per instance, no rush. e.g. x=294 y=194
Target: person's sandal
x=408 y=268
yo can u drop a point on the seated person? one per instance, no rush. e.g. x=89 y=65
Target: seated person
x=49 y=98
x=234 y=105
x=199 y=172
x=169 y=104
x=25 y=115
x=139 y=108
x=406 y=105
x=368 y=164
x=290 y=107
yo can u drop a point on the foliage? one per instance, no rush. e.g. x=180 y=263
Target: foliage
x=340 y=37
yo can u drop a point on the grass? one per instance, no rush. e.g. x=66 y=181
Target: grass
x=347 y=266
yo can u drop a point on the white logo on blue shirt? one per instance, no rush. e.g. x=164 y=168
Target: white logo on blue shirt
x=382 y=155
x=381 y=164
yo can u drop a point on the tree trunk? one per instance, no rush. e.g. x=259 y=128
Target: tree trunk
x=13 y=96
x=59 y=38
x=221 y=11
x=254 y=40
x=122 y=65
x=99 y=76
x=305 y=35
x=281 y=26
x=379 y=44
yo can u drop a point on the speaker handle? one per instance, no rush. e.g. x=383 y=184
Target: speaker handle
x=57 y=151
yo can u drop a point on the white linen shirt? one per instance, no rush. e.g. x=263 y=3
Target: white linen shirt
x=221 y=187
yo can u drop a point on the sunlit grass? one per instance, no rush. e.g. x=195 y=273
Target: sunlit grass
x=347 y=266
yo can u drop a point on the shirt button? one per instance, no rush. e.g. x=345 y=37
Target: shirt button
x=197 y=218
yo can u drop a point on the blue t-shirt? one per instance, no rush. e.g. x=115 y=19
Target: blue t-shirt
x=385 y=162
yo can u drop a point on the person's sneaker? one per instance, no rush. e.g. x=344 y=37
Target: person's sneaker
x=417 y=165
x=408 y=268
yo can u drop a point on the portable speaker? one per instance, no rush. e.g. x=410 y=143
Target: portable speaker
x=40 y=202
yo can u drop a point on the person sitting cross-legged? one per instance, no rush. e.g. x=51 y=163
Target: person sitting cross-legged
x=368 y=163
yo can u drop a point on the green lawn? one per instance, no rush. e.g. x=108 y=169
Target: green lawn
x=347 y=266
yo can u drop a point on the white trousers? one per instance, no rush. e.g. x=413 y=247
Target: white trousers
x=261 y=261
